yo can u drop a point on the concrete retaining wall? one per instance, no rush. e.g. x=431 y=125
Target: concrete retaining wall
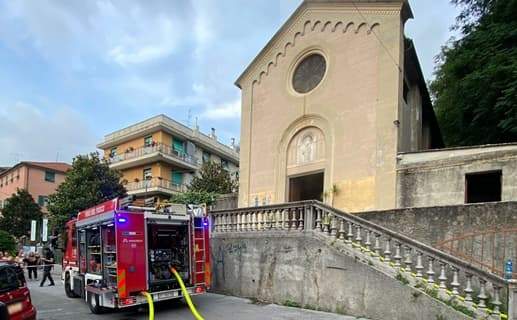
x=297 y=269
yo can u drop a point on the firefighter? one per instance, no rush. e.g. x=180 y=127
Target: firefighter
x=48 y=261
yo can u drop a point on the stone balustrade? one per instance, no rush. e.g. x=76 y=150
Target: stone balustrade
x=450 y=279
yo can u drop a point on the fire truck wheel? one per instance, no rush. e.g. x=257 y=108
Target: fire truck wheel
x=68 y=288
x=93 y=303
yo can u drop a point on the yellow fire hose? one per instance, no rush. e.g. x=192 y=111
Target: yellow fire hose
x=151 y=305
x=187 y=296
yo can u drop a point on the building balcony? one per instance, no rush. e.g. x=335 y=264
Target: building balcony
x=154 y=186
x=150 y=154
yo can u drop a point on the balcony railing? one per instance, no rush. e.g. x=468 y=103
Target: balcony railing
x=156 y=147
x=155 y=183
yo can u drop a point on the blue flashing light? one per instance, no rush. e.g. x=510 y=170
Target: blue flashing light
x=205 y=223
x=121 y=220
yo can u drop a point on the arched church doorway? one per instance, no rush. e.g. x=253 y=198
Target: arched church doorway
x=305 y=165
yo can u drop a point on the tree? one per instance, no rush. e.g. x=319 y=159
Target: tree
x=213 y=178
x=7 y=242
x=18 y=212
x=194 y=197
x=88 y=183
x=475 y=89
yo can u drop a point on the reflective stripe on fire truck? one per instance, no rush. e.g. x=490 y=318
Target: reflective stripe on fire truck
x=121 y=283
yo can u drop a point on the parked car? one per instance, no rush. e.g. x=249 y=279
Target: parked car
x=14 y=293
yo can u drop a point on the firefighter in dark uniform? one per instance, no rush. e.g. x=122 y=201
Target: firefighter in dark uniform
x=48 y=261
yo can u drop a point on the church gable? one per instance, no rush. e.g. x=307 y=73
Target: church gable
x=312 y=16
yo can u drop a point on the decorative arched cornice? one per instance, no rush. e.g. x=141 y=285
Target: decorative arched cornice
x=308 y=27
x=308 y=120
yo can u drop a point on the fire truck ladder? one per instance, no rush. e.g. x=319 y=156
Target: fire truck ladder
x=198 y=248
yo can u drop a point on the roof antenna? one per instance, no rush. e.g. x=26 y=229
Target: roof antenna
x=57 y=156
x=189 y=116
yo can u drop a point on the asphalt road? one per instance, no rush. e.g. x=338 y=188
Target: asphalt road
x=52 y=304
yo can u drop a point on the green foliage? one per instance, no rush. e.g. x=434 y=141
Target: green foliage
x=213 y=178
x=402 y=279
x=88 y=183
x=194 y=197
x=7 y=242
x=475 y=89
x=293 y=304
x=18 y=212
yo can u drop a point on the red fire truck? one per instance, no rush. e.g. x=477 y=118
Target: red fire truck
x=115 y=251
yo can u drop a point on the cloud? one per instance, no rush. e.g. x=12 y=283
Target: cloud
x=230 y=110
x=30 y=133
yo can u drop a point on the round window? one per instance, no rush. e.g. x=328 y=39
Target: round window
x=309 y=73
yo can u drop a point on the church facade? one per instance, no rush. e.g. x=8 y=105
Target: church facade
x=328 y=105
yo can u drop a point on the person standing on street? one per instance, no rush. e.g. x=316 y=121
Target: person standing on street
x=48 y=261
x=32 y=265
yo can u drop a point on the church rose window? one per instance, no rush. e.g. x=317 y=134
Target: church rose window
x=309 y=73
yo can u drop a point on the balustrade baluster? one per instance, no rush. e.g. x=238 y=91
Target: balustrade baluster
x=368 y=243
x=215 y=222
x=387 y=251
x=253 y=221
x=301 y=216
x=279 y=222
x=350 y=234
x=455 y=284
x=249 y=220
x=237 y=221
x=397 y=257
x=229 y=222
x=327 y=221
x=342 y=230
x=482 y=294
x=419 y=266
x=407 y=259
x=377 y=245
x=318 y=220
x=358 y=236
x=293 y=219
x=496 y=301
x=442 y=278
x=468 y=289
x=260 y=220
x=333 y=226
x=223 y=223
x=430 y=270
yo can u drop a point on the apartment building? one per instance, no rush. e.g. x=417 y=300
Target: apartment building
x=40 y=179
x=159 y=156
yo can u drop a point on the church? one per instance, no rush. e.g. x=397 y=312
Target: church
x=335 y=108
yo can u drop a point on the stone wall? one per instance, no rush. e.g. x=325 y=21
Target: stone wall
x=226 y=202
x=298 y=269
x=437 y=177
x=434 y=224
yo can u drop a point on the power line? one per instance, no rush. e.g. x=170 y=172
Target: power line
x=377 y=37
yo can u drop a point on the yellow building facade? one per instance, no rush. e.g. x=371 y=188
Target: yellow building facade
x=328 y=104
x=159 y=156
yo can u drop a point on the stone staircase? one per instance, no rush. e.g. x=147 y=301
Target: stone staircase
x=461 y=290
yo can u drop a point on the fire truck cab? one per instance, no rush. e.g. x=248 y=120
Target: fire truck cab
x=114 y=251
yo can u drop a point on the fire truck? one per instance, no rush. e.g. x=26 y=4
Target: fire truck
x=115 y=251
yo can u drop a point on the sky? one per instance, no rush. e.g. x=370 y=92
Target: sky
x=72 y=71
